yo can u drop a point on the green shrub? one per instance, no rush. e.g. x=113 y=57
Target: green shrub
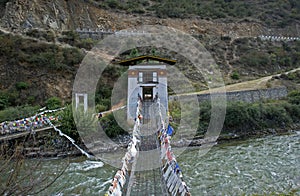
x=235 y=75
x=243 y=117
x=67 y=123
x=21 y=85
x=275 y=115
x=285 y=61
x=87 y=43
x=4 y=102
x=47 y=35
x=53 y=103
x=71 y=56
x=113 y=4
x=204 y=118
x=134 y=53
x=51 y=58
x=30 y=99
x=104 y=102
x=255 y=59
x=110 y=126
x=154 y=52
x=14 y=113
x=101 y=108
x=13 y=96
x=56 y=58
x=293 y=111
x=70 y=37
x=103 y=95
x=85 y=122
x=175 y=111
x=294 y=97
x=236 y=115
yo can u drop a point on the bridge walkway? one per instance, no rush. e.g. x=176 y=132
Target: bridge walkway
x=147 y=179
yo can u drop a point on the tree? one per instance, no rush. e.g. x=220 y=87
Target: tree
x=53 y=103
x=110 y=126
x=67 y=123
x=19 y=178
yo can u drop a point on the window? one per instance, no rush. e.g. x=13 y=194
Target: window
x=147 y=77
x=140 y=79
x=154 y=76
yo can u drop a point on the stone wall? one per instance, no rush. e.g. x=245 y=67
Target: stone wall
x=245 y=96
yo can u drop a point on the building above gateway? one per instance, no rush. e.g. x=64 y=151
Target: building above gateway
x=147 y=79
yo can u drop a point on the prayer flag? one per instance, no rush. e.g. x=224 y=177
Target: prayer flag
x=170 y=130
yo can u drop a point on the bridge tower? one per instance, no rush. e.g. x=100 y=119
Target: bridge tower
x=147 y=79
x=81 y=99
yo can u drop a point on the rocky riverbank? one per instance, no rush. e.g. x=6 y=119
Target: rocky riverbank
x=201 y=140
x=50 y=144
x=229 y=137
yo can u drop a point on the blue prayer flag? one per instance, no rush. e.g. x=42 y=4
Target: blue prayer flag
x=170 y=130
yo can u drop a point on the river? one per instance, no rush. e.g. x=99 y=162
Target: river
x=256 y=166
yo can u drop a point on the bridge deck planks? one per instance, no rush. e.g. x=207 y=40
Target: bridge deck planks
x=148 y=182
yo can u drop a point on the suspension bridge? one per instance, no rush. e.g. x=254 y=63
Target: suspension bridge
x=149 y=166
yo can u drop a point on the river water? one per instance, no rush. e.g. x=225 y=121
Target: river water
x=256 y=166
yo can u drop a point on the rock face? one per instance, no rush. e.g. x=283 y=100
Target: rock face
x=57 y=15
x=71 y=14
x=20 y=15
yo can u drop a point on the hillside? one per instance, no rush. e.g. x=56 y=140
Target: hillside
x=240 y=18
x=33 y=70
x=270 y=13
x=40 y=59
